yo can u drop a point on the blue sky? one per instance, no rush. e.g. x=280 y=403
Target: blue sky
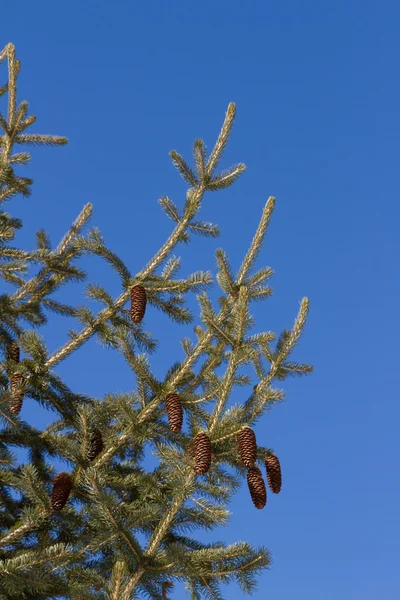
x=317 y=92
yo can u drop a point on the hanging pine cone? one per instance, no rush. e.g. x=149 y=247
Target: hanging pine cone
x=202 y=453
x=247 y=446
x=174 y=412
x=165 y=586
x=17 y=394
x=138 y=303
x=96 y=444
x=257 y=487
x=13 y=352
x=274 y=473
x=62 y=487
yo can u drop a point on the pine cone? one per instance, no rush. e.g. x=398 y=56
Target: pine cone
x=17 y=395
x=62 y=487
x=165 y=586
x=274 y=474
x=257 y=487
x=247 y=446
x=138 y=303
x=174 y=412
x=13 y=352
x=96 y=444
x=202 y=453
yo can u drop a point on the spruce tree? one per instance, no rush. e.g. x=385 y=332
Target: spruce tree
x=74 y=534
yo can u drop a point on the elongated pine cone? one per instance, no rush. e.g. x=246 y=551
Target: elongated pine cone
x=274 y=473
x=17 y=395
x=96 y=444
x=165 y=586
x=174 y=412
x=257 y=488
x=62 y=487
x=247 y=446
x=138 y=303
x=202 y=453
x=13 y=352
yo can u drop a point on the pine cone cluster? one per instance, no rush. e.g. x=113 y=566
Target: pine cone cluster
x=274 y=474
x=96 y=444
x=247 y=446
x=174 y=412
x=62 y=487
x=202 y=453
x=258 y=491
x=138 y=303
x=17 y=394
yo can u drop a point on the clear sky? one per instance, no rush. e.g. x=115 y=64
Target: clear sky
x=317 y=90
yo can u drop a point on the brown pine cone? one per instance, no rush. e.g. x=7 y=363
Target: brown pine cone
x=13 y=352
x=274 y=473
x=247 y=446
x=202 y=453
x=174 y=412
x=62 y=487
x=17 y=394
x=96 y=444
x=257 y=487
x=165 y=586
x=138 y=303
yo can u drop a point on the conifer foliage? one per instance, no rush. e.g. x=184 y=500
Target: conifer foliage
x=78 y=531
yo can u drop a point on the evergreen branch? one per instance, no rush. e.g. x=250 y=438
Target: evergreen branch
x=227 y=384
x=173 y=384
x=107 y=313
x=75 y=228
x=257 y=241
x=225 y=275
x=116 y=581
x=13 y=68
x=287 y=347
x=126 y=594
x=206 y=229
x=131 y=542
x=226 y=178
x=260 y=276
x=33 y=284
x=222 y=140
x=183 y=168
x=30 y=522
x=200 y=159
x=20 y=158
x=189 y=474
x=21 y=114
x=37 y=139
x=170 y=209
x=94 y=244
